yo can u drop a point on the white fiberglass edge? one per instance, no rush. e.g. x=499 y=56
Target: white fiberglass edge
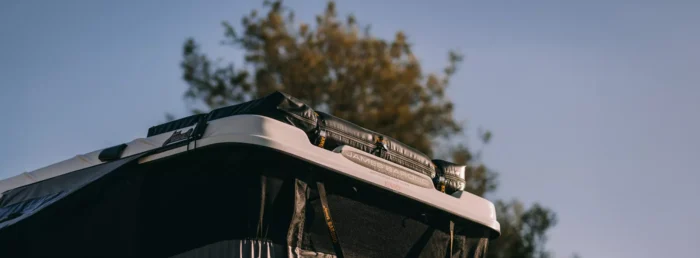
x=263 y=131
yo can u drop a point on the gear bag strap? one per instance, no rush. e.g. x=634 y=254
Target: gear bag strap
x=329 y=220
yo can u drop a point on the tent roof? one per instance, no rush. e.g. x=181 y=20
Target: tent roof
x=267 y=132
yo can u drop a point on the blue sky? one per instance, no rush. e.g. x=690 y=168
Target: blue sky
x=594 y=106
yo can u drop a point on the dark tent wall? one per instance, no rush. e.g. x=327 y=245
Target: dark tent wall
x=212 y=202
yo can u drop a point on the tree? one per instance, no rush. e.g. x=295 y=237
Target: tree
x=332 y=67
x=338 y=67
x=522 y=231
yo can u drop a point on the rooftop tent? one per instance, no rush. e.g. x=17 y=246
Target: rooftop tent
x=242 y=184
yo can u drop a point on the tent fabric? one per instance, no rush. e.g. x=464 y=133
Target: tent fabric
x=20 y=203
x=162 y=208
x=372 y=222
x=248 y=248
x=237 y=248
x=208 y=202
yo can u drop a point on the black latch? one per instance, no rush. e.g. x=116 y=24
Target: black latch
x=179 y=138
x=379 y=146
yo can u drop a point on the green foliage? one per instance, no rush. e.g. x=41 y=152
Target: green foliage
x=336 y=66
x=522 y=231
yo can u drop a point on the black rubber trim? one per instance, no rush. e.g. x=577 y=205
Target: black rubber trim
x=112 y=153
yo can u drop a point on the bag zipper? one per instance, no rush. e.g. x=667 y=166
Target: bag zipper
x=304 y=119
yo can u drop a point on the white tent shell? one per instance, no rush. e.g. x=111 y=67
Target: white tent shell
x=268 y=132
